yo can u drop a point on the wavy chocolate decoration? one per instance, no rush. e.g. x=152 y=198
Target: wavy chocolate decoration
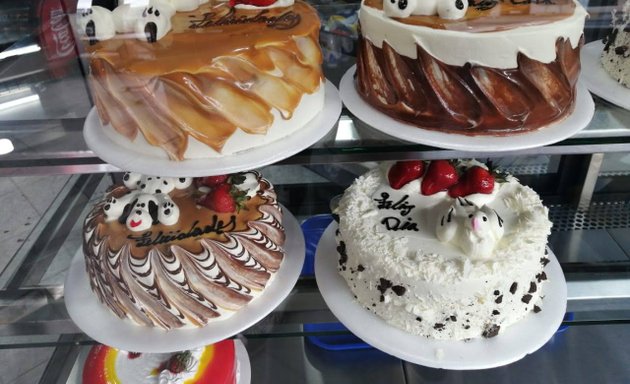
x=471 y=100
x=187 y=282
x=205 y=81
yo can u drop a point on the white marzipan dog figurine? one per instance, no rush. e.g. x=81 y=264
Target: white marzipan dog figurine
x=474 y=230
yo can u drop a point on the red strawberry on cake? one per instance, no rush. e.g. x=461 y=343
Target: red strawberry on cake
x=403 y=172
x=440 y=176
x=476 y=180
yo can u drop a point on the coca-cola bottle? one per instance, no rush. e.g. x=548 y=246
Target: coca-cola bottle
x=56 y=37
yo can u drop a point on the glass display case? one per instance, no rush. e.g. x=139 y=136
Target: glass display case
x=50 y=179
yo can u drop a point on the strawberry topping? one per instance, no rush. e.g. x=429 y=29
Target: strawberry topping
x=219 y=199
x=403 y=172
x=212 y=181
x=440 y=176
x=476 y=180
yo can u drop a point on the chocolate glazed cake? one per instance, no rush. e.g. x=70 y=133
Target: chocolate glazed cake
x=172 y=253
x=212 y=81
x=504 y=67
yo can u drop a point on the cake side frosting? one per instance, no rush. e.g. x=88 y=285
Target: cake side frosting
x=496 y=45
x=172 y=259
x=396 y=266
x=256 y=68
x=616 y=55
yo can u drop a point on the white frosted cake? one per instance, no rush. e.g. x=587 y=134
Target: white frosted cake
x=616 y=55
x=463 y=260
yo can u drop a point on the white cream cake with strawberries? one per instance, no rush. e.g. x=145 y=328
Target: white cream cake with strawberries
x=447 y=250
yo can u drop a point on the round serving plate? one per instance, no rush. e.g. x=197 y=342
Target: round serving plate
x=512 y=344
x=102 y=325
x=128 y=158
x=597 y=80
x=575 y=122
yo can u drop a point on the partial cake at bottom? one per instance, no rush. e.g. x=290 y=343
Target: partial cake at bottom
x=214 y=363
x=447 y=250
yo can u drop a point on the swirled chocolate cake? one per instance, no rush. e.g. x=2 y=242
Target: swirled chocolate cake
x=181 y=252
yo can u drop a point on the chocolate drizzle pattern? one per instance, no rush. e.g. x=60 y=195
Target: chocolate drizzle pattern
x=171 y=90
x=186 y=283
x=470 y=100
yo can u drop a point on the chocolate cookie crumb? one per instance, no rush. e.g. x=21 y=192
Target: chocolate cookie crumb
x=343 y=256
x=513 y=287
x=537 y=309
x=532 y=287
x=496 y=292
x=491 y=331
x=526 y=298
x=495 y=313
x=499 y=299
x=383 y=285
x=399 y=290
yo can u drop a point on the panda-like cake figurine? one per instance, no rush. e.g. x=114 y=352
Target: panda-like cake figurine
x=445 y=9
x=476 y=230
x=96 y=24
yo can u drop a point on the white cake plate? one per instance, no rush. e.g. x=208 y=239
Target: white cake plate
x=129 y=159
x=243 y=365
x=102 y=325
x=576 y=121
x=512 y=344
x=597 y=80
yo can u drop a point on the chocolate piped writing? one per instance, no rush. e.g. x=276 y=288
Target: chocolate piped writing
x=392 y=223
x=215 y=226
x=286 y=20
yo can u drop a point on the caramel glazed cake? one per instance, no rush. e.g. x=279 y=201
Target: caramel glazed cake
x=173 y=252
x=184 y=80
x=483 y=67
x=443 y=267
x=616 y=55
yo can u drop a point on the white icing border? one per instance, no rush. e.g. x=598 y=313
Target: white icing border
x=490 y=49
